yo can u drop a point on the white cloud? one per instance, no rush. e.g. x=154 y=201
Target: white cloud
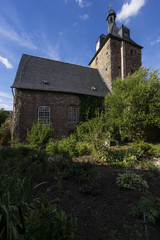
x=130 y=9
x=5 y=95
x=84 y=17
x=49 y=50
x=23 y=38
x=6 y=106
x=5 y=62
x=6 y=101
x=155 y=42
x=83 y=3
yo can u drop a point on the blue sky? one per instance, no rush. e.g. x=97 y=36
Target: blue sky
x=67 y=30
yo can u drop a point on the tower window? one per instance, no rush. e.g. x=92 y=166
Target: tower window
x=72 y=114
x=111 y=19
x=44 y=114
x=131 y=52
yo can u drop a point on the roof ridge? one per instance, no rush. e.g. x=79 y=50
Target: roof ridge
x=49 y=59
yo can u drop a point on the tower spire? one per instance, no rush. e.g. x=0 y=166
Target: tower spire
x=111 y=19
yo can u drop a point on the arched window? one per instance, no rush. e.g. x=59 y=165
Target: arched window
x=44 y=114
x=72 y=114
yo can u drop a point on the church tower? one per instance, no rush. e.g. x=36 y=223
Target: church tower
x=117 y=54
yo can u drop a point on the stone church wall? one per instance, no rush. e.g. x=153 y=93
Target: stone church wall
x=133 y=58
x=26 y=103
x=109 y=60
x=103 y=62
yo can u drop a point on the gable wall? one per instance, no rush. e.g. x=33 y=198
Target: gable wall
x=26 y=103
x=110 y=63
x=103 y=62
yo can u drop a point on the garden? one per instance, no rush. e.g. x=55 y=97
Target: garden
x=102 y=182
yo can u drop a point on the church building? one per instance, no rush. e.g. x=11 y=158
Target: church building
x=52 y=90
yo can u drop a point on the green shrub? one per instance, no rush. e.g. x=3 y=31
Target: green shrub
x=150 y=207
x=4 y=115
x=25 y=161
x=64 y=147
x=5 y=134
x=132 y=181
x=82 y=172
x=157 y=149
x=14 y=191
x=39 y=135
x=92 y=130
x=122 y=157
x=146 y=150
x=47 y=222
x=82 y=148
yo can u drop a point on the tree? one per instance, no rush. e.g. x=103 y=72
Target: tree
x=133 y=106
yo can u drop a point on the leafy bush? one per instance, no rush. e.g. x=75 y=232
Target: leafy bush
x=27 y=162
x=39 y=135
x=146 y=150
x=122 y=157
x=82 y=148
x=132 y=181
x=148 y=207
x=4 y=115
x=83 y=172
x=14 y=191
x=157 y=149
x=47 y=222
x=92 y=130
x=5 y=134
x=64 y=147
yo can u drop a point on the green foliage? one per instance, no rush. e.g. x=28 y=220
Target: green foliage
x=92 y=130
x=148 y=207
x=145 y=149
x=14 y=191
x=132 y=181
x=19 y=170
x=95 y=134
x=47 y=222
x=3 y=116
x=82 y=149
x=39 y=135
x=133 y=107
x=64 y=147
x=82 y=172
x=4 y=128
x=89 y=106
x=122 y=157
x=156 y=148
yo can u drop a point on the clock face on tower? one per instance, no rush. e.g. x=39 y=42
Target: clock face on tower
x=97 y=45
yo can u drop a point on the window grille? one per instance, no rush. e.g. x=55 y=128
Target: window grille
x=44 y=115
x=72 y=114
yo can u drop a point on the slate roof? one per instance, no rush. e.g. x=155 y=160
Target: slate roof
x=38 y=73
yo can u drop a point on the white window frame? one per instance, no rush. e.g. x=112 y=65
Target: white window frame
x=44 y=114
x=72 y=114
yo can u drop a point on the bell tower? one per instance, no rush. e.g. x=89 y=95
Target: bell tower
x=111 y=20
x=117 y=55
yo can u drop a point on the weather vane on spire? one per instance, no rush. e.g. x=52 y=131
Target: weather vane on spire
x=110 y=5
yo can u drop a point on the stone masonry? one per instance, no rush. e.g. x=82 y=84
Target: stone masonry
x=112 y=63
x=26 y=103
